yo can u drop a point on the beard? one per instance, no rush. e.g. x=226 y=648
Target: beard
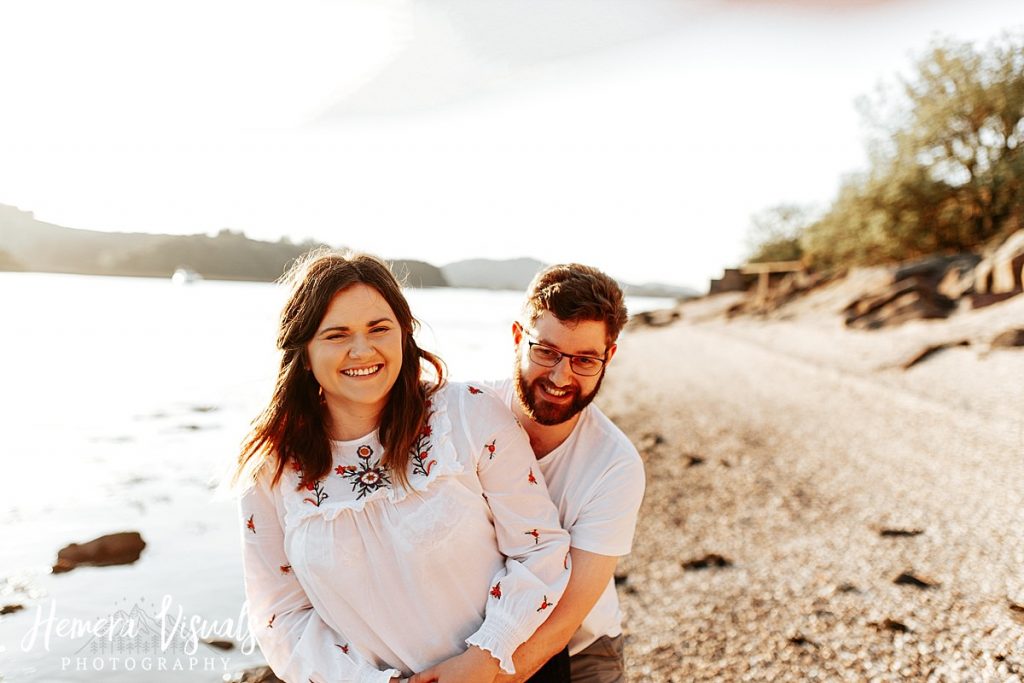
x=543 y=412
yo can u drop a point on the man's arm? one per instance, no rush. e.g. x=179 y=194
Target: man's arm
x=590 y=574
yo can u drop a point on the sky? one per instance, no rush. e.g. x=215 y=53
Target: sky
x=638 y=136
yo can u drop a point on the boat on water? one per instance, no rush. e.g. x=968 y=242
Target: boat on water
x=183 y=275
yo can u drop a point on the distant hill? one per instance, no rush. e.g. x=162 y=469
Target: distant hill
x=659 y=289
x=33 y=245
x=418 y=273
x=30 y=244
x=483 y=273
x=516 y=274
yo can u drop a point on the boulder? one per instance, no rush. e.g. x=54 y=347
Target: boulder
x=1009 y=339
x=912 y=298
x=958 y=278
x=929 y=351
x=1003 y=271
x=658 y=318
x=120 y=548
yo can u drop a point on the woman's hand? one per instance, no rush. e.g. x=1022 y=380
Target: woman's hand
x=472 y=666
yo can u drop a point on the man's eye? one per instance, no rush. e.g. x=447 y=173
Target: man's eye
x=545 y=353
x=584 y=362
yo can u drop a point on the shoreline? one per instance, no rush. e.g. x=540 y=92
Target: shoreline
x=813 y=511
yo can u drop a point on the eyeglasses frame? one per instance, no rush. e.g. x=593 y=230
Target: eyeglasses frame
x=532 y=341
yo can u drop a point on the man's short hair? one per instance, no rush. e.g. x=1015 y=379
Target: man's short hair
x=573 y=292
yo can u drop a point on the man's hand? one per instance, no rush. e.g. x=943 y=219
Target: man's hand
x=590 y=574
x=472 y=666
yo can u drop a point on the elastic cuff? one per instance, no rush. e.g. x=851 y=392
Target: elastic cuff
x=499 y=640
x=371 y=675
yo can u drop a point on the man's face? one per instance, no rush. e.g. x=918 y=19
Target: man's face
x=552 y=395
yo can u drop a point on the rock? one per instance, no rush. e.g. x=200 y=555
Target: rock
x=693 y=460
x=1016 y=612
x=929 y=351
x=958 y=279
x=708 y=561
x=220 y=644
x=11 y=609
x=658 y=318
x=930 y=267
x=621 y=578
x=120 y=548
x=892 y=625
x=1009 y=338
x=256 y=674
x=801 y=641
x=847 y=588
x=649 y=441
x=911 y=298
x=910 y=579
x=1003 y=270
x=897 y=533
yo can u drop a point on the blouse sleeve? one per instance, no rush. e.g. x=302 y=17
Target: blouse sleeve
x=527 y=528
x=296 y=642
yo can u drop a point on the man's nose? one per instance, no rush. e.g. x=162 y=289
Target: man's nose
x=561 y=374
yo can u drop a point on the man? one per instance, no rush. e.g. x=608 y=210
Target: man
x=564 y=341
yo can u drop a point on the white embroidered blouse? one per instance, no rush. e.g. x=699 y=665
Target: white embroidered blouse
x=353 y=578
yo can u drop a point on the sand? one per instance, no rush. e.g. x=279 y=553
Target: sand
x=871 y=518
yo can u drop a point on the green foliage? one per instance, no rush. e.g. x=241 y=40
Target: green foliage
x=947 y=169
x=774 y=234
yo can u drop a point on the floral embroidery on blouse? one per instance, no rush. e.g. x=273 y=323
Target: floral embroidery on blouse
x=366 y=477
x=532 y=479
x=317 y=488
x=535 y=534
x=490 y=449
x=343 y=648
x=285 y=568
x=544 y=605
x=473 y=390
x=421 y=451
x=496 y=591
x=270 y=623
x=250 y=524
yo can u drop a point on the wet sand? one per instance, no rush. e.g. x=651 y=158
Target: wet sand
x=813 y=511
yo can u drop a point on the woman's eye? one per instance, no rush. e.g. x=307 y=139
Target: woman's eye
x=380 y=329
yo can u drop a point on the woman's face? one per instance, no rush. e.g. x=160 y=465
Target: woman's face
x=356 y=353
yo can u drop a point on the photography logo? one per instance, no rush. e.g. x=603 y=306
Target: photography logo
x=137 y=639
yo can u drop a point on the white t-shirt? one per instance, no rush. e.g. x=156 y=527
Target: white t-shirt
x=596 y=479
x=352 y=578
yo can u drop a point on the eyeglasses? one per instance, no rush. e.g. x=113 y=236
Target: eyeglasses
x=585 y=366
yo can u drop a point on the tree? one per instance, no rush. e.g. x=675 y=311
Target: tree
x=947 y=160
x=774 y=233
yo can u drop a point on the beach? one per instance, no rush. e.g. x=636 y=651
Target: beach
x=813 y=510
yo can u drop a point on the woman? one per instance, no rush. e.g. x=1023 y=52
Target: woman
x=390 y=523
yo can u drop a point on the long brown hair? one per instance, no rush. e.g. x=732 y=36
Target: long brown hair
x=294 y=427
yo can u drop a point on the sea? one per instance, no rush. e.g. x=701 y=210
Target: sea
x=122 y=405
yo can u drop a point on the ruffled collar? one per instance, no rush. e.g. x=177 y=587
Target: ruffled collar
x=358 y=478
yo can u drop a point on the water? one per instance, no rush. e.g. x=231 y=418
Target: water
x=123 y=400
